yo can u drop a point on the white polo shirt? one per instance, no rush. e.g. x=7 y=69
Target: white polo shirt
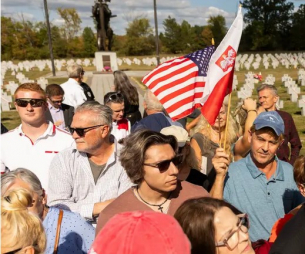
x=18 y=150
x=74 y=93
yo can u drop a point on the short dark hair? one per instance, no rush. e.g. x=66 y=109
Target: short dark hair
x=133 y=153
x=196 y=217
x=54 y=90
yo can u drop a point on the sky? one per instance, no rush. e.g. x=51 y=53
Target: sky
x=196 y=12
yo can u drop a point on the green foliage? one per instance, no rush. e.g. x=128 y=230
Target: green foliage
x=72 y=22
x=297 y=39
x=89 y=41
x=269 y=20
x=217 y=25
x=172 y=36
x=140 y=39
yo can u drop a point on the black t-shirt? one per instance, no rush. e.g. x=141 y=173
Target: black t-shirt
x=87 y=91
x=197 y=178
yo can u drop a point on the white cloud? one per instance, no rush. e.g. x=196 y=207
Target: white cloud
x=125 y=10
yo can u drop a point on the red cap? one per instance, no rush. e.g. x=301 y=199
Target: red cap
x=141 y=232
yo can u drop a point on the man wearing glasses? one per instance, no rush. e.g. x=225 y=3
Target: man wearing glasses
x=58 y=113
x=74 y=93
x=261 y=185
x=34 y=143
x=86 y=179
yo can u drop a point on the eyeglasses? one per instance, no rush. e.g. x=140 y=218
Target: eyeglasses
x=164 y=165
x=57 y=102
x=23 y=102
x=114 y=97
x=13 y=251
x=232 y=240
x=82 y=131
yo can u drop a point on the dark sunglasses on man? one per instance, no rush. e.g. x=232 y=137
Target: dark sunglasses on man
x=164 y=165
x=35 y=103
x=82 y=131
x=57 y=102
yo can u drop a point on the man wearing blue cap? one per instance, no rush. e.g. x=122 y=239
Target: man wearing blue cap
x=261 y=185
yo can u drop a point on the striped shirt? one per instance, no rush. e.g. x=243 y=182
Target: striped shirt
x=72 y=186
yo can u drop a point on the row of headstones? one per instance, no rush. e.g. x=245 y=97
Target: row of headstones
x=247 y=88
x=286 y=60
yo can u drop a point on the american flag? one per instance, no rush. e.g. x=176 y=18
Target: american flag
x=179 y=83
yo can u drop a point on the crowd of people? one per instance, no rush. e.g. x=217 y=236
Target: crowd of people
x=78 y=176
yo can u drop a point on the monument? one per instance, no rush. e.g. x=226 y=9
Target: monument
x=106 y=61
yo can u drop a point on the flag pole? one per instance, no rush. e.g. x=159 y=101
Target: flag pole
x=227 y=121
x=219 y=132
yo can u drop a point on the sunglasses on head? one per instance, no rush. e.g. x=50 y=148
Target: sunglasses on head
x=164 y=165
x=82 y=131
x=23 y=102
x=115 y=97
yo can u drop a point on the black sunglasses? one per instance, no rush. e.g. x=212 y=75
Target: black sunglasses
x=60 y=101
x=164 y=165
x=82 y=131
x=13 y=251
x=23 y=102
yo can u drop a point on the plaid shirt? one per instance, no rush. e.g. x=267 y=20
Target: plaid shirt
x=291 y=136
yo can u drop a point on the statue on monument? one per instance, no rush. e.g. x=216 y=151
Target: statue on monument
x=102 y=15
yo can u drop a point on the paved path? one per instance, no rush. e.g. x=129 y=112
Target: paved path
x=102 y=83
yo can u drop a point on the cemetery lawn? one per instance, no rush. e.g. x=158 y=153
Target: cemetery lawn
x=289 y=106
x=11 y=119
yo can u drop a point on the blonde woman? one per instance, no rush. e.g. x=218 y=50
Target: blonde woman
x=207 y=139
x=21 y=230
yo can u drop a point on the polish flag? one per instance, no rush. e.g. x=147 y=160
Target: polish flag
x=220 y=72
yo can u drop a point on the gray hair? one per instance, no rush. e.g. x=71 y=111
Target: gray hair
x=23 y=174
x=152 y=102
x=267 y=86
x=74 y=70
x=101 y=114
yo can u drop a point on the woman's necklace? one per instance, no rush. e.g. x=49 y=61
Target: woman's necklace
x=160 y=207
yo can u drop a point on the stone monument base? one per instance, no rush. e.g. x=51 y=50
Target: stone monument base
x=106 y=62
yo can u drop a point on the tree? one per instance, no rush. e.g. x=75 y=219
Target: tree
x=273 y=19
x=89 y=41
x=297 y=40
x=72 y=21
x=217 y=25
x=140 y=39
x=207 y=36
x=187 y=37
x=172 y=35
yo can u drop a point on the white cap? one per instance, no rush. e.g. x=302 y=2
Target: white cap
x=180 y=134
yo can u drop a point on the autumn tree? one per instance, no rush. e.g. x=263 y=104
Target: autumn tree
x=139 y=38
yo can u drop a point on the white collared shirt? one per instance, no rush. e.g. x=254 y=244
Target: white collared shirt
x=19 y=151
x=74 y=93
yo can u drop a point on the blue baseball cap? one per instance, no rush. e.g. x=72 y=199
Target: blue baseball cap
x=270 y=119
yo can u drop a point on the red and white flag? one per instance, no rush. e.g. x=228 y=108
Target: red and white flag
x=221 y=70
x=179 y=83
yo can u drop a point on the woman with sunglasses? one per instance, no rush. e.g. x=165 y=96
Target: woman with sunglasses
x=131 y=97
x=150 y=160
x=21 y=230
x=215 y=226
